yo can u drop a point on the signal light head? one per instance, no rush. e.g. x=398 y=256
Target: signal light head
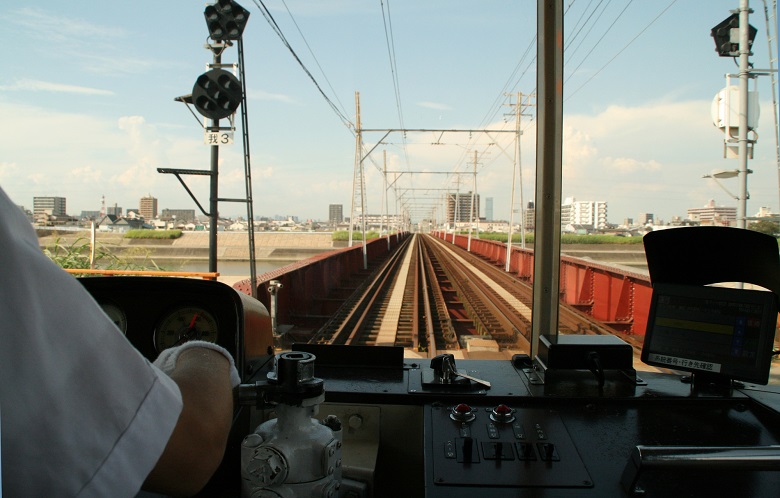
x=226 y=20
x=217 y=94
x=726 y=36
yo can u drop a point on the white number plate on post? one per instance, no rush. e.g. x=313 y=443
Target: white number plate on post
x=218 y=138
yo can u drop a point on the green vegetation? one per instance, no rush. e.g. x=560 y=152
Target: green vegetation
x=153 y=234
x=343 y=235
x=764 y=226
x=76 y=256
x=568 y=238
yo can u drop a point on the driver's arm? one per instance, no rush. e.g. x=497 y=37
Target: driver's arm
x=197 y=444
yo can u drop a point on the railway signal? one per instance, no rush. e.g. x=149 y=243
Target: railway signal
x=217 y=94
x=226 y=20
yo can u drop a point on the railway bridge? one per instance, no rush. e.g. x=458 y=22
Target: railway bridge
x=434 y=293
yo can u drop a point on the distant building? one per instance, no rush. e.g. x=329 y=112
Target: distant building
x=645 y=219
x=180 y=215
x=49 y=206
x=384 y=220
x=489 y=208
x=335 y=214
x=148 y=207
x=584 y=214
x=764 y=212
x=90 y=215
x=530 y=216
x=711 y=214
x=461 y=206
x=115 y=210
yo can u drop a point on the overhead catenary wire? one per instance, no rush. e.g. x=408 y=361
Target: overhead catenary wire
x=572 y=72
x=272 y=22
x=588 y=20
x=596 y=73
x=292 y=18
x=567 y=49
x=390 y=42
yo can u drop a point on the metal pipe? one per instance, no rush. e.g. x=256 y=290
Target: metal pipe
x=273 y=290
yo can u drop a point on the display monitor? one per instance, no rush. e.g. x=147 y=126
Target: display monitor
x=718 y=332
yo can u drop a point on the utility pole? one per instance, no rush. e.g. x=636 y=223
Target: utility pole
x=397 y=225
x=456 y=209
x=385 y=211
x=517 y=172
x=213 y=195
x=358 y=183
x=744 y=75
x=473 y=200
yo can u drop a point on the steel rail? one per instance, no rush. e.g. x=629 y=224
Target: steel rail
x=444 y=335
x=349 y=308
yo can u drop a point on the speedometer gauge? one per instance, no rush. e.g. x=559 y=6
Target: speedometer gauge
x=116 y=315
x=185 y=323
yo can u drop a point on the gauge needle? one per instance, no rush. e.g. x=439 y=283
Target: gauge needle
x=191 y=329
x=187 y=335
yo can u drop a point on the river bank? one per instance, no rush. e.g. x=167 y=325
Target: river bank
x=190 y=252
x=194 y=246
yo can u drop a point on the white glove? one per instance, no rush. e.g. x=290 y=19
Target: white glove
x=167 y=359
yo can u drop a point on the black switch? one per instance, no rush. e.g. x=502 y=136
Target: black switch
x=525 y=451
x=468 y=449
x=497 y=451
x=547 y=452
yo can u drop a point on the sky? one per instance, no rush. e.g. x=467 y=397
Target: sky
x=87 y=100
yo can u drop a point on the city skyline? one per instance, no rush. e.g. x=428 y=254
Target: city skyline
x=570 y=206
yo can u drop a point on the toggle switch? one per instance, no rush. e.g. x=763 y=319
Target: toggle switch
x=548 y=452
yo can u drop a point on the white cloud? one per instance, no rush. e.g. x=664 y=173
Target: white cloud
x=626 y=165
x=57 y=28
x=47 y=86
x=263 y=95
x=7 y=170
x=435 y=105
x=87 y=174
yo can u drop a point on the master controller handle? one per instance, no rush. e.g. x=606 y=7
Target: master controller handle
x=443 y=366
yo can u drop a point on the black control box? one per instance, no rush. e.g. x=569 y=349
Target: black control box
x=575 y=352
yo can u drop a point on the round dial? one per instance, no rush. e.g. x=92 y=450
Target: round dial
x=116 y=315
x=185 y=323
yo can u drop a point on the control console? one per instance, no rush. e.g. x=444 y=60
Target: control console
x=502 y=446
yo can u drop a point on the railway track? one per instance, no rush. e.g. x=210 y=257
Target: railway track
x=431 y=297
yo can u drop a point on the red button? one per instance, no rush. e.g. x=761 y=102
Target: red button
x=503 y=410
x=462 y=408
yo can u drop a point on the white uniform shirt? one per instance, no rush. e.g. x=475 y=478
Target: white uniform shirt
x=84 y=414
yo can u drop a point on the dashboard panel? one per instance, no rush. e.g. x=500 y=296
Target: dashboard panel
x=155 y=313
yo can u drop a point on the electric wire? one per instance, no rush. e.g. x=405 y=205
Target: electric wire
x=578 y=29
x=275 y=27
x=571 y=73
x=390 y=42
x=621 y=50
x=314 y=57
x=570 y=54
x=513 y=81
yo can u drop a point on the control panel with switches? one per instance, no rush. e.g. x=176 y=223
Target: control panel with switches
x=500 y=446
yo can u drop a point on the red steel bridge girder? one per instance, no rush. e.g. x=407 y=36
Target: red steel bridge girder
x=307 y=284
x=618 y=298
